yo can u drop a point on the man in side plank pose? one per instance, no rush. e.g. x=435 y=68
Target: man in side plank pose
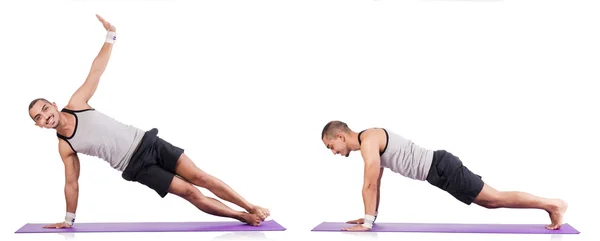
x=381 y=148
x=141 y=156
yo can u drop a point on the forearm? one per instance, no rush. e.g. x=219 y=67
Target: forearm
x=225 y=192
x=71 y=196
x=379 y=189
x=378 y=198
x=370 y=199
x=101 y=61
x=370 y=188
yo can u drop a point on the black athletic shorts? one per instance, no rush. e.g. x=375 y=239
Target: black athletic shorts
x=449 y=174
x=153 y=163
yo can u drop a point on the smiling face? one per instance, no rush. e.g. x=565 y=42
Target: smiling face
x=44 y=113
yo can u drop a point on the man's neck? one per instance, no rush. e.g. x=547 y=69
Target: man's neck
x=353 y=141
x=64 y=124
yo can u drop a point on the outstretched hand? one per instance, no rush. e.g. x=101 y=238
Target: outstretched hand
x=58 y=225
x=106 y=24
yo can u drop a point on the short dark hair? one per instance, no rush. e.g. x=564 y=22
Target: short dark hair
x=332 y=127
x=36 y=100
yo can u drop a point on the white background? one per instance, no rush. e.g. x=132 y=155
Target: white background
x=246 y=87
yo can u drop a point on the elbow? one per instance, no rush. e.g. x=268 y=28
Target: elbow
x=98 y=65
x=97 y=70
x=370 y=187
x=72 y=185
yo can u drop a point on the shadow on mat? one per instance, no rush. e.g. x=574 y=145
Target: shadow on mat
x=67 y=236
x=241 y=236
x=372 y=235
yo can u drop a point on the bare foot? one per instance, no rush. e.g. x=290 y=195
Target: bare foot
x=251 y=219
x=556 y=212
x=263 y=213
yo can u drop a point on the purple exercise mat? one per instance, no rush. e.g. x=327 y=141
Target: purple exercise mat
x=226 y=226
x=452 y=228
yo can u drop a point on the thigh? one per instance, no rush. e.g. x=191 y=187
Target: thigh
x=189 y=171
x=465 y=185
x=156 y=178
x=444 y=165
x=449 y=174
x=487 y=195
x=167 y=154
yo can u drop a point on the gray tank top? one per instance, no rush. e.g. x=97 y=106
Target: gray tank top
x=403 y=156
x=99 y=135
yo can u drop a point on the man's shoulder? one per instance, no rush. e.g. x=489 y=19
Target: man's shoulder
x=78 y=106
x=374 y=133
x=375 y=137
x=64 y=148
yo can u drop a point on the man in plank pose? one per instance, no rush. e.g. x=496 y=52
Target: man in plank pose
x=141 y=156
x=381 y=148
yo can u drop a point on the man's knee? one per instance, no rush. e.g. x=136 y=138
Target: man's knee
x=191 y=194
x=184 y=189
x=490 y=198
x=490 y=203
x=188 y=194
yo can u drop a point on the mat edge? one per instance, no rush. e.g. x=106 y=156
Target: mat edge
x=575 y=231
x=280 y=228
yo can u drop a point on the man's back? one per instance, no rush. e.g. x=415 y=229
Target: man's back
x=405 y=157
x=99 y=135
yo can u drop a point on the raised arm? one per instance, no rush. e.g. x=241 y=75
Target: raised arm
x=84 y=93
x=71 y=189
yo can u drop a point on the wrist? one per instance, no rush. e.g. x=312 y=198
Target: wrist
x=111 y=37
x=70 y=218
x=369 y=220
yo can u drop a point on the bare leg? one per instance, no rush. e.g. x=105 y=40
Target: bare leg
x=491 y=198
x=189 y=171
x=209 y=205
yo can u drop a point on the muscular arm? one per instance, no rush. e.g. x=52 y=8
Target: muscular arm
x=370 y=154
x=71 y=164
x=85 y=92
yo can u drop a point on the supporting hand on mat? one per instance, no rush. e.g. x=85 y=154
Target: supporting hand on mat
x=58 y=225
x=357 y=221
x=357 y=227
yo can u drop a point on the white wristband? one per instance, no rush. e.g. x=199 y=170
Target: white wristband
x=368 y=221
x=111 y=37
x=70 y=218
